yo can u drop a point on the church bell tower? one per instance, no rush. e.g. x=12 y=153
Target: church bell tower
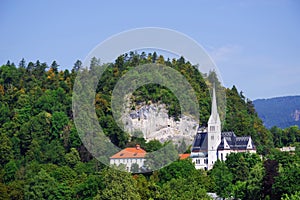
x=213 y=132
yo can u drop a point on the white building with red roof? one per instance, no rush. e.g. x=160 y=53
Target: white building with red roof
x=128 y=157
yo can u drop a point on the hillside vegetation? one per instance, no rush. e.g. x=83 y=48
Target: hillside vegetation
x=42 y=157
x=282 y=112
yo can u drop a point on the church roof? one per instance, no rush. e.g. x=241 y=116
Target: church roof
x=228 y=134
x=200 y=142
x=234 y=142
x=131 y=152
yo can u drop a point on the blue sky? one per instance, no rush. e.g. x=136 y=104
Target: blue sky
x=255 y=44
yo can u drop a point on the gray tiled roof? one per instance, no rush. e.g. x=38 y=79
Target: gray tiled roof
x=234 y=142
x=200 y=142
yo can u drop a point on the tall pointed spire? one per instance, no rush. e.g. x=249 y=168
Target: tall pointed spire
x=214 y=116
x=214 y=132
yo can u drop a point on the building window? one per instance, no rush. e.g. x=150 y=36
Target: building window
x=222 y=156
x=212 y=137
x=212 y=128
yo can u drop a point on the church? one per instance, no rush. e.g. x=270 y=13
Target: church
x=210 y=144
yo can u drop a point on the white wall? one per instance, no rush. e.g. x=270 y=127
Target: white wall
x=127 y=162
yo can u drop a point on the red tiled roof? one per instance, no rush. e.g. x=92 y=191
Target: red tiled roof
x=131 y=152
x=184 y=156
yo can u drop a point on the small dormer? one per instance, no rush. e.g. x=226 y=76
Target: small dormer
x=226 y=145
x=249 y=144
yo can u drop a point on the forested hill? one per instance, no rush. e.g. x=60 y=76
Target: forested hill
x=42 y=157
x=36 y=102
x=282 y=112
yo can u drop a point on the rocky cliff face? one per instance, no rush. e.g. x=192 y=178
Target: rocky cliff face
x=296 y=115
x=153 y=121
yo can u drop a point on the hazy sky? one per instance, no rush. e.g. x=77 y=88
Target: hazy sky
x=255 y=44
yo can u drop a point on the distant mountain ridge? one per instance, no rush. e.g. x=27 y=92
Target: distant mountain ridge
x=282 y=112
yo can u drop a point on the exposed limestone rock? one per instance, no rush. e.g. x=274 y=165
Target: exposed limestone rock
x=153 y=121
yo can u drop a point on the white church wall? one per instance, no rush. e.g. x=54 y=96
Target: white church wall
x=200 y=163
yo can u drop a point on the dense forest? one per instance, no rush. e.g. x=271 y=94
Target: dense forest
x=42 y=156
